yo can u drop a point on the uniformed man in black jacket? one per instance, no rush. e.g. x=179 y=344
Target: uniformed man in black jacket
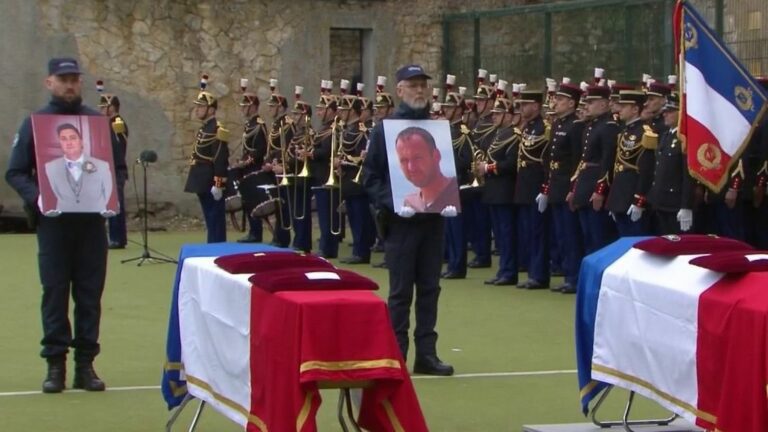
x=532 y=164
x=499 y=170
x=564 y=154
x=657 y=97
x=482 y=135
x=109 y=105
x=671 y=194
x=633 y=170
x=457 y=228
x=300 y=194
x=353 y=141
x=280 y=134
x=254 y=150
x=208 y=165
x=320 y=156
x=589 y=187
x=413 y=242
x=72 y=247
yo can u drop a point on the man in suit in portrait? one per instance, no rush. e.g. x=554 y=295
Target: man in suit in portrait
x=81 y=183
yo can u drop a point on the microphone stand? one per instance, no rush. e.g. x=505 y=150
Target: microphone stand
x=146 y=255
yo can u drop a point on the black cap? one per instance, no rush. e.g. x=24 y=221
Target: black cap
x=63 y=66
x=411 y=71
x=632 y=97
x=597 y=92
x=531 y=96
x=673 y=102
x=659 y=89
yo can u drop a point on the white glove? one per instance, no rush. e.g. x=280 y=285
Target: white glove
x=635 y=213
x=685 y=217
x=541 y=201
x=217 y=193
x=53 y=213
x=108 y=213
x=449 y=211
x=406 y=211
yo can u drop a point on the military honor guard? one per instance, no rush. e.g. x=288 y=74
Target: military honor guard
x=564 y=155
x=483 y=134
x=109 y=105
x=457 y=228
x=589 y=186
x=532 y=165
x=671 y=193
x=499 y=169
x=354 y=139
x=633 y=169
x=208 y=164
x=324 y=181
x=280 y=134
x=657 y=97
x=254 y=151
x=299 y=172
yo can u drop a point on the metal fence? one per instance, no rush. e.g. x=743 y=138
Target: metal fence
x=626 y=37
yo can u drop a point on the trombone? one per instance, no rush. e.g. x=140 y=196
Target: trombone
x=302 y=178
x=333 y=182
x=284 y=183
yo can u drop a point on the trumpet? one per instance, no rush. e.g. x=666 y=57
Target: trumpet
x=304 y=174
x=478 y=158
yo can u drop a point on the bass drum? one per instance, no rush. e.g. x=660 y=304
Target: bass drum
x=233 y=202
x=255 y=189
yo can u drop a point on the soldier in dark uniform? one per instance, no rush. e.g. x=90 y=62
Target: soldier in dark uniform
x=208 y=165
x=564 y=154
x=72 y=247
x=109 y=105
x=299 y=170
x=280 y=134
x=254 y=151
x=499 y=170
x=657 y=98
x=320 y=158
x=590 y=183
x=482 y=136
x=614 y=102
x=671 y=194
x=532 y=164
x=354 y=139
x=633 y=170
x=457 y=228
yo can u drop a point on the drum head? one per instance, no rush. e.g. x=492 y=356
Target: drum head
x=233 y=203
x=265 y=209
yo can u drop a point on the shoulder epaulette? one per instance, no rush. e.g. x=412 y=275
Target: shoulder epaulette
x=465 y=129
x=222 y=134
x=118 y=125
x=650 y=138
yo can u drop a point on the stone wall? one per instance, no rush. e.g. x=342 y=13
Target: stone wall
x=152 y=53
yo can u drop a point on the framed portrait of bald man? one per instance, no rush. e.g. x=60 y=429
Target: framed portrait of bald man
x=74 y=163
x=422 y=171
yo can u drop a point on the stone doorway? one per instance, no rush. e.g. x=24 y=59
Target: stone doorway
x=350 y=54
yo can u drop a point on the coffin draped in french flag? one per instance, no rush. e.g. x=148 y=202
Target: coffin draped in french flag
x=688 y=337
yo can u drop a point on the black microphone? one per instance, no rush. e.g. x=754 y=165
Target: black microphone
x=147 y=156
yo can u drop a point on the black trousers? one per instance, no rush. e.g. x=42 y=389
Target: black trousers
x=414 y=255
x=72 y=255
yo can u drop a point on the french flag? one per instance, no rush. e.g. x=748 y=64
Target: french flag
x=690 y=338
x=721 y=102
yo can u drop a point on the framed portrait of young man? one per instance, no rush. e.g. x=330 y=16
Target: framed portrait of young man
x=74 y=164
x=422 y=171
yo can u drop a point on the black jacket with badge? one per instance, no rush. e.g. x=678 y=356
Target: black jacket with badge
x=633 y=170
x=502 y=154
x=255 y=144
x=210 y=157
x=320 y=163
x=597 y=158
x=462 y=152
x=564 y=154
x=532 y=161
x=22 y=165
x=672 y=187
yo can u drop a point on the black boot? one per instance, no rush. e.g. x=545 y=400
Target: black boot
x=431 y=365
x=54 y=380
x=86 y=378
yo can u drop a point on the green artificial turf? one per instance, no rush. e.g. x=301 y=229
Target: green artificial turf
x=483 y=330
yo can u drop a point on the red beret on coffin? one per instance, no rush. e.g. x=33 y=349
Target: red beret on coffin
x=734 y=262
x=691 y=244
x=260 y=262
